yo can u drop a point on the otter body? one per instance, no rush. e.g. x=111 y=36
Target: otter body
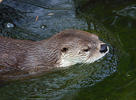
x=20 y=58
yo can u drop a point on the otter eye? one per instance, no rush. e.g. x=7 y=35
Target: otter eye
x=64 y=49
x=86 y=50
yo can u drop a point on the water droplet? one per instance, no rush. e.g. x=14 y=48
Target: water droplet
x=10 y=25
x=43 y=27
x=50 y=14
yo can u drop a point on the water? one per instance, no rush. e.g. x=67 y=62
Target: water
x=111 y=78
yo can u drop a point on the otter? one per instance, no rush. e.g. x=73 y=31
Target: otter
x=19 y=58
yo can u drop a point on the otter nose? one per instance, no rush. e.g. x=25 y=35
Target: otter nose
x=103 y=48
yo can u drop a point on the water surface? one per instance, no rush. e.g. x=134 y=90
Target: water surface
x=111 y=78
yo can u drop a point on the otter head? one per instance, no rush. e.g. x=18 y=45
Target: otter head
x=80 y=47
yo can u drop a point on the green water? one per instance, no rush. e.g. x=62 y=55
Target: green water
x=111 y=78
x=120 y=21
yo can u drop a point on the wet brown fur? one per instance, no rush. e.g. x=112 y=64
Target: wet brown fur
x=24 y=57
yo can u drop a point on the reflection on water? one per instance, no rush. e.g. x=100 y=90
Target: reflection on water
x=109 y=78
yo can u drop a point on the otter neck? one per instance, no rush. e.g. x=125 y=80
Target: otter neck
x=50 y=52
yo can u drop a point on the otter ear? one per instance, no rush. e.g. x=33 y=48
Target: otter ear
x=64 y=49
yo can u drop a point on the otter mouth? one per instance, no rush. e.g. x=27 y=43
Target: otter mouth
x=96 y=57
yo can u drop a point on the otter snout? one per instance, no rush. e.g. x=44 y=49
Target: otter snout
x=103 y=48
